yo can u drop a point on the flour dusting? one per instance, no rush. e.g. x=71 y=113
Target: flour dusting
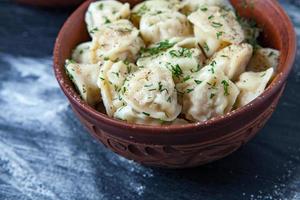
x=29 y=99
x=43 y=168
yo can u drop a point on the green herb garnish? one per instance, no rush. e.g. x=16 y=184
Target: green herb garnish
x=225 y=86
x=107 y=21
x=216 y=25
x=142 y=10
x=219 y=34
x=205 y=47
x=100 y=7
x=182 y=52
x=204 y=9
x=211 y=16
x=159 y=47
x=175 y=69
x=271 y=54
x=197 y=69
x=198 y=82
x=94 y=30
x=147 y=114
x=189 y=90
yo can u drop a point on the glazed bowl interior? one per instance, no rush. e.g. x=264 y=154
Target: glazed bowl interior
x=277 y=33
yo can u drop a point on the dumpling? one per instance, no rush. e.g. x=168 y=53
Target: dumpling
x=151 y=91
x=152 y=6
x=252 y=84
x=251 y=31
x=189 y=6
x=264 y=59
x=233 y=59
x=179 y=59
x=110 y=81
x=158 y=26
x=81 y=53
x=104 y=12
x=128 y=114
x=119 y=40
x=216 y=28
x=209 y=95
x=84 y=77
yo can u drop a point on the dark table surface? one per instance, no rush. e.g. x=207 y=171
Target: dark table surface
x=45 y=153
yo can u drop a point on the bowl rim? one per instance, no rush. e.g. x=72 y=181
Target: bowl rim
x=276 y=84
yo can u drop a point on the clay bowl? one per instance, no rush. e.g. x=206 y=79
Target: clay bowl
x=181 y=146
x=51 y=3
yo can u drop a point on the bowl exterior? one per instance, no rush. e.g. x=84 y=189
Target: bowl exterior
x=174 y=154
x=188 y=145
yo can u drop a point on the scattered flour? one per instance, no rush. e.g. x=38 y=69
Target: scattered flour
x=31 y=100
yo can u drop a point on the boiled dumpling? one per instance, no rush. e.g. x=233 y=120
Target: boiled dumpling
x=81 y=53
x=128 y=114
x=252 y=84
x=186 y=42
x=152 y=6
x=110 y=81
x=189 y=6
x=119 y=40
x=251 y=31
x=151 y=91
x=167 y=24
x=233 y=59
x=216 y=28
x=264 y=59
x=84 y=77
x=209 y=94
x=105 y=12
x=181 y=60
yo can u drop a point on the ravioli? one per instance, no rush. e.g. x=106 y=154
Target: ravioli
x=84 y=77
x=152 y=6
x=216 y=28
x=232 y=59
x=151 y=91
x=263 y=59
x=118 y=40
x=252 y=84
x=162 y=25
x=81 y=53
x=209 y=95
x=182 y=58
x=189 y=6
x=111 y=80
x=105 y=12
x=128 y=114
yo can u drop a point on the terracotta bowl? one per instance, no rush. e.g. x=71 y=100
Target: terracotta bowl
x=51 y=3
x=181 y=146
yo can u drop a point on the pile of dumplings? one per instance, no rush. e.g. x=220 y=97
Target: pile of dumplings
x=169 y=62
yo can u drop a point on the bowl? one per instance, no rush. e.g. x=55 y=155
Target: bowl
x=51 y=3
x=182 y=146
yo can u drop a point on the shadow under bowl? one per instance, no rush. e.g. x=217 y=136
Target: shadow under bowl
x=182 y=146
